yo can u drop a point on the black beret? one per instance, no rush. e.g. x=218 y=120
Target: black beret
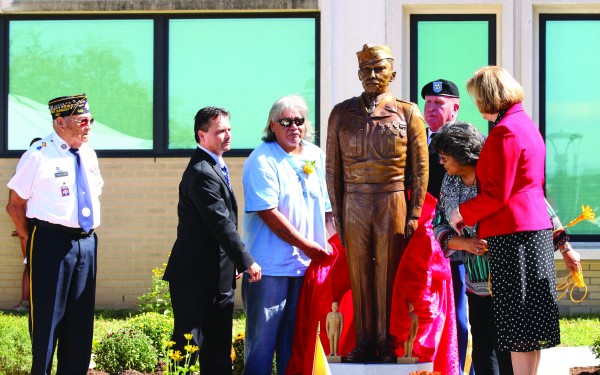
x=440 y=87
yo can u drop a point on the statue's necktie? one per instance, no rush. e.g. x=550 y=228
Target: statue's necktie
x=226 y=174
x=84 y=199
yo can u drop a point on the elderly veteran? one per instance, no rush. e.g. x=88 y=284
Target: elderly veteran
x=442 y=101
x=57 y=185
x=375 y=143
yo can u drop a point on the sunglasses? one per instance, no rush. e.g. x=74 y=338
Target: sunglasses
x=82 y=122
x=287 y=122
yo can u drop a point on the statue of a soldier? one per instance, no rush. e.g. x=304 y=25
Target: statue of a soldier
x=376 y=150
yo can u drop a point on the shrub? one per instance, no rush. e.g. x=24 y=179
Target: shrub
x=158 y=298
x=156 y=326
x=596 y=347
x=15 y=345
x=237 y=355
x=126 y=349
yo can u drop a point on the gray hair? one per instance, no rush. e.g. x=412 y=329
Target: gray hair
x=296 y=102
x=460 y=140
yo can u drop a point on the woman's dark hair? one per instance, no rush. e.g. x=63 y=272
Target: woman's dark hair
x=461 y=140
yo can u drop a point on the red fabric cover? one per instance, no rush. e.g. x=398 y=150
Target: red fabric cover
x=423 y=277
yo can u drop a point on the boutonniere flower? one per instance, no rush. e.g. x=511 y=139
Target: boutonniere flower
x=309 y=166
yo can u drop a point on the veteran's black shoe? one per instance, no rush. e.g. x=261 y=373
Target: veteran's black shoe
x=386 y=354
x=361 y=354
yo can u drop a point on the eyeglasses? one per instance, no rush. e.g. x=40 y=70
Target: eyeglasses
x=82 y=122
x=287 y=122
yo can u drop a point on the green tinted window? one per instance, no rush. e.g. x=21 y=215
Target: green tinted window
x=570 y=118
x=453 y=50
x=109 y=60
x=242 y=65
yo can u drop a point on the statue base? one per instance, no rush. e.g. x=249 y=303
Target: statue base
x=334 y=359
x=378 y=368
x=408 y=360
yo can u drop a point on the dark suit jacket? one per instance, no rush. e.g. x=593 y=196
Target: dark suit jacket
x=208 y=248
x=436 y=173
x=510 y=173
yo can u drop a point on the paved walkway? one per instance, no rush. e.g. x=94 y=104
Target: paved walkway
x=558 y=361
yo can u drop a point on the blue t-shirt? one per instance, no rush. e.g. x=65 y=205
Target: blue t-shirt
x=273 y=178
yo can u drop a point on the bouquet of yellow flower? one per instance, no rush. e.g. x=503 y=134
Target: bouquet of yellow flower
x=586 y=214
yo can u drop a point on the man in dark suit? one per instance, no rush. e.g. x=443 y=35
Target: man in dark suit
x=202 y=267
x=441 y=109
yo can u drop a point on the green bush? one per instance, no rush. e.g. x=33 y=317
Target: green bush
x=126 y=349
x=237 y=355
x=15 y=345
x=158 y=298
x=156 y=326
x=596 y=347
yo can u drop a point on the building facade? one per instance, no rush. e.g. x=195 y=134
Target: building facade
x=148 y=66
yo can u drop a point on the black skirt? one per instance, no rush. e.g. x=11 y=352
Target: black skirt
x=523 y=283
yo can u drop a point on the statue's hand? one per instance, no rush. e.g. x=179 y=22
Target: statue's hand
x=411 y=227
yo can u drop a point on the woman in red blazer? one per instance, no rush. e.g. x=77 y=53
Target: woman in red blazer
x=513 y=218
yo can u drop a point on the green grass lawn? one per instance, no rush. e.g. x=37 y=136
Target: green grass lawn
x=576 y=330
x=579 y=330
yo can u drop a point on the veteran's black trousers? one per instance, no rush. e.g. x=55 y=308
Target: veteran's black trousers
x=62 y=269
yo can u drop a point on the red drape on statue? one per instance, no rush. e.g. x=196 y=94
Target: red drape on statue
x=423 y=279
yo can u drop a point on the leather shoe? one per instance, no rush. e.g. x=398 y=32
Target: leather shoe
x=361 y=354
x=385 y=354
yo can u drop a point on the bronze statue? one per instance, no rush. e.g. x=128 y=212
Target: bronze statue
x=376 y=147
x=334 y=325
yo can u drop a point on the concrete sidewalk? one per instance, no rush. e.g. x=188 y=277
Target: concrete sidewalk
x=558 y=361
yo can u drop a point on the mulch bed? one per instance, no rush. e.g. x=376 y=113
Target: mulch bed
x=158 y=371
x=590 y=370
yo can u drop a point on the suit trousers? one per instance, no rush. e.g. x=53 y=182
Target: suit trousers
x=209 y=318
x=62 y=269
x=374 y=236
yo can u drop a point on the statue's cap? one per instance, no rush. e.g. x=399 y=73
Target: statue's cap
x=372 y=53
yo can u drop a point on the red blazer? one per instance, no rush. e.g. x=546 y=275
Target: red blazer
x=510 y=175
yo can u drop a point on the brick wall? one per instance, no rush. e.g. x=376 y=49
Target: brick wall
x=591 y=276
x=139 y=219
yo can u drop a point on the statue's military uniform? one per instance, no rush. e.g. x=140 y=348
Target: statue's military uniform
x=370 y=158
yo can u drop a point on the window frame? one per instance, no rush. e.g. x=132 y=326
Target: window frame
x=160 y=109
x=543 y=19
x=414 y=90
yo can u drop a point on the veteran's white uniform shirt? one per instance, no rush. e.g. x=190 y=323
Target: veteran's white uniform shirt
x=45 y=177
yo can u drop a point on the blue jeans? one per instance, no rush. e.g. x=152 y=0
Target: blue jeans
x=270 y=306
